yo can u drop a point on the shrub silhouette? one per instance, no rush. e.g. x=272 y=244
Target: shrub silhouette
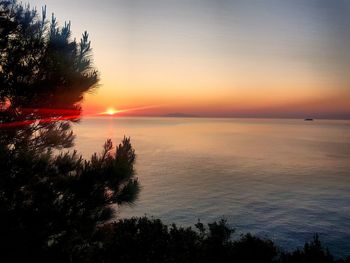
x=150 y=240
x=312 y=252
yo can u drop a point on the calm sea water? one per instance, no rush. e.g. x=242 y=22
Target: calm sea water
x=281 y=179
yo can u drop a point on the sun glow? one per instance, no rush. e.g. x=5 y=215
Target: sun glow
x=111 y=111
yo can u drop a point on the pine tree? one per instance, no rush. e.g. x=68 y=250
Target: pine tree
x=51 y=205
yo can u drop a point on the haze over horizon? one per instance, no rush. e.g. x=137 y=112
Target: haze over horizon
x=216 y=58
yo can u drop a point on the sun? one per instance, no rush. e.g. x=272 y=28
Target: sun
x=111 y=111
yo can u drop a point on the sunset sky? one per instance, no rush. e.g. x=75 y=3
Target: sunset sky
x=229 y=58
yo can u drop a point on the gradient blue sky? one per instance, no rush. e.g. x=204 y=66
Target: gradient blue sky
x=268 y=58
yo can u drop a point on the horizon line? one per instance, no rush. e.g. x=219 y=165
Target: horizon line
x=214 y=117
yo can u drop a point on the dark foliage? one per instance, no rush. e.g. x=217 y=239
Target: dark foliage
x=312 y=252
x=51 y=203
x=149 y=240
x=43 y=77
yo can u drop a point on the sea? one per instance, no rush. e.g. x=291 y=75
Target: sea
x=282 y=179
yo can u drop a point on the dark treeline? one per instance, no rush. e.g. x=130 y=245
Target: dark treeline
x=149 y=240
x=56 y=206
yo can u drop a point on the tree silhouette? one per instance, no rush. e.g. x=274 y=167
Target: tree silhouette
x=51 y=204
x=44 y=75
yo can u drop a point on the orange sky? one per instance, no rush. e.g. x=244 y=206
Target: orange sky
x=227 y=58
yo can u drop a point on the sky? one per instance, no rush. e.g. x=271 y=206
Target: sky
x=218 y=58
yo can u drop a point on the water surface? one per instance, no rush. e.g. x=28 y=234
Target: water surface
x=283 y=179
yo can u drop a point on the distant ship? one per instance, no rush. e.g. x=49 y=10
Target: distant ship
x=308 y=119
